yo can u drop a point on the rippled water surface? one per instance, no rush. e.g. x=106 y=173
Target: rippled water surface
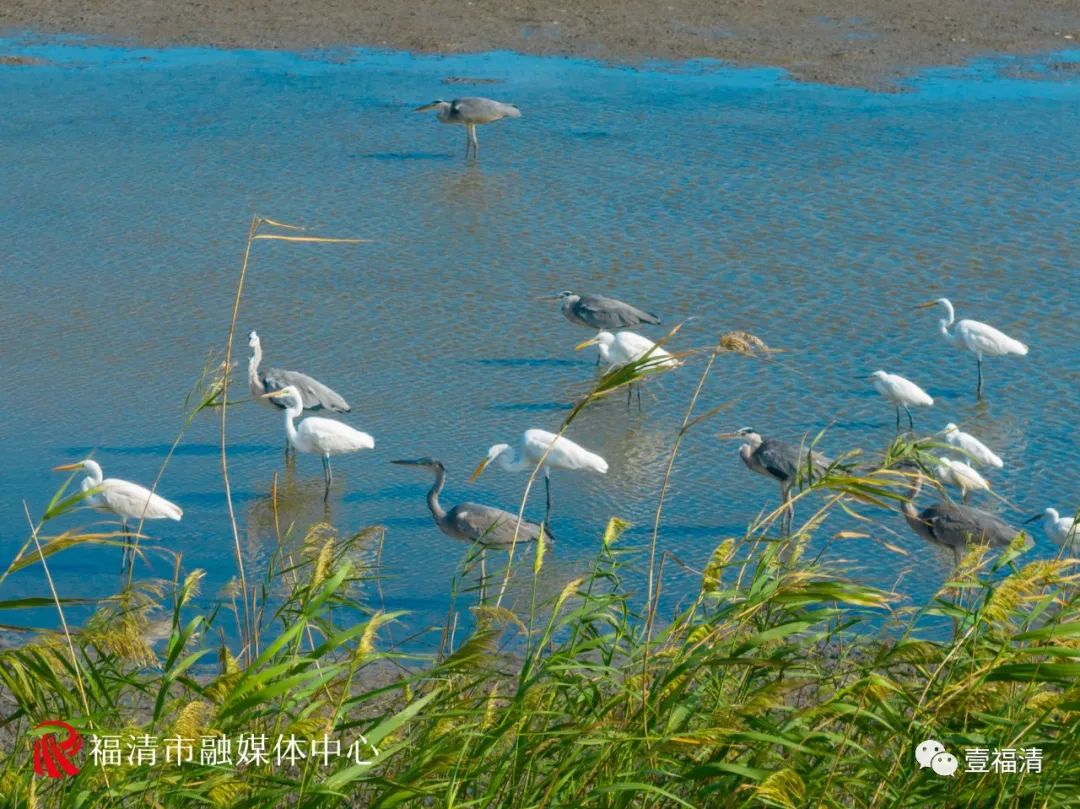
x=814 y=217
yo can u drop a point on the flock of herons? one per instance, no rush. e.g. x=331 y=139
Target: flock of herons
x=946 y=523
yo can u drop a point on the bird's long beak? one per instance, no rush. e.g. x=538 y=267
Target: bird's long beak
x=1036 y=517
x=277 y=394
x=68 y=467
x=426 y=107
x=586 y=344
x=926 y=305
x=406 y=463
x=479 y=469
x=728 y=435
x=547 y=298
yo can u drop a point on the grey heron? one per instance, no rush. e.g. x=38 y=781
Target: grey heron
x=316 y=395
x=471 y=112
x=319 y=436
x=485 y=526
x=954 y=526
x=600 y=312
x=127 y=500
x=555 y=451
x=780 y=461
x=901 y=392
x=975 y=336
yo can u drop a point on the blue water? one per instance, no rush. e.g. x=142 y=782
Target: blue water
x=814 y=217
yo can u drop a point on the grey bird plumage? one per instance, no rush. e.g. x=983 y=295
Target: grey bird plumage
x=315 y=394
x=471 y=112
x=487 y=526
x=780 y=461
x=602 y=313
x=955 y=526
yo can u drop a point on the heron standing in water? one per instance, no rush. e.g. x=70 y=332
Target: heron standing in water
x=975 y=336
x=600 y=312
x=127 y=500
x=780 y=461
x=901 y=392
x=471 y=112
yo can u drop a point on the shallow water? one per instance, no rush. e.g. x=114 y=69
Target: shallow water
x=814 y=217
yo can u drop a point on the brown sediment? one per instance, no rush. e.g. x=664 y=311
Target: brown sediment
x=854 y=42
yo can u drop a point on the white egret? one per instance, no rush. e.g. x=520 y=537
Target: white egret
x=469 y=112
x=1059 y=529
x=625 y=347
x=901 y=392
x=961 y=475
x=319 y=436
x=563 y=454
x=127 y=500
x=971 y=446
x=977 y=337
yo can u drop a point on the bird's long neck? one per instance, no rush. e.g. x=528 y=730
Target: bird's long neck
x=947 y=321
x=511 y=461
x=253 y=369
x=907 y=508
x=290 y=428
x=437 y=510
x=93 y=477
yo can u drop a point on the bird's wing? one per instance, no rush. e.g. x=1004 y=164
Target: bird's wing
x=476 y=110
x=565 y=454
x=329 y=436
x=951 y=522
x=984 y=338
x=132 y=501
x=490 y=526
x=315 y=394
x=780 y=459
x=609 y=313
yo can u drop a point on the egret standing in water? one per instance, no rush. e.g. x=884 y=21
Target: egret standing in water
x=319 y=436
x=780 y=461
x=470 y=112
x=600 y=312
x=961 y=475
x=486 y=526
x=562 y=453
x=127 y=500
x=1059 y=529
x=977 y=337
x=901 y=393
x=314 y=394
x=955 y=526
x=971 y=446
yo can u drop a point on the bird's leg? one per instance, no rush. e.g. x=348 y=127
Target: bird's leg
x=475 y=142
x=978 y=389
x=911 y=422
x=547 y=492
x=124 y=552
x=328 y=475
x=639 y=397
x=629 y=393
x=898 y=419
x=483 y=577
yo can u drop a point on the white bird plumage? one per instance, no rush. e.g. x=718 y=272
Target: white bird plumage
x=961 y=475
x=1060 y=530
x=319 y=436
x=127 y=500
x=617 y=350
x=562 y=453
x=979 y=338
x=901 y=392
x=971 y=446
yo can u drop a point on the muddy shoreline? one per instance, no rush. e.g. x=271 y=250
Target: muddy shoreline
x=868 y=43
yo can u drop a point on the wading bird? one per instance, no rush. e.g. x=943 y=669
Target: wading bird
x=977 y=337
x=780 y=461
x=1059 y=529
x=971 y=446
x=486 y=526
x=315 y=395
x=625 y=347
x=962 y=476
x=318 y=436
x=127 y=500
x=563 y=454
x=600 y=312
x=901 y=393
x=471 y=112
x=954 y=526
